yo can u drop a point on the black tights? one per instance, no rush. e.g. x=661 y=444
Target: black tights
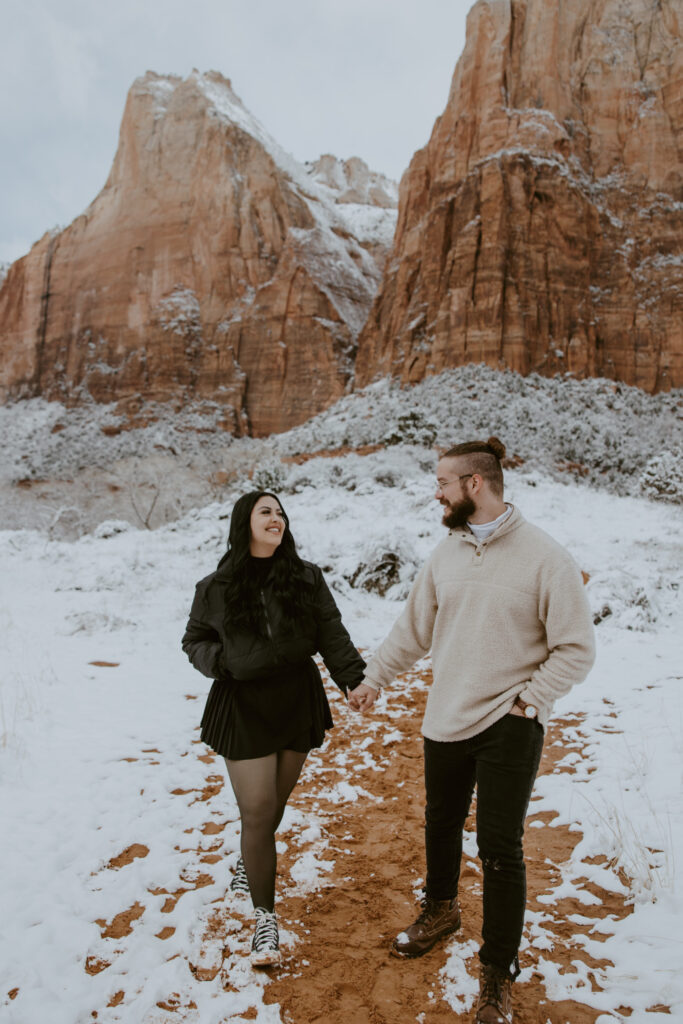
x=262 y=786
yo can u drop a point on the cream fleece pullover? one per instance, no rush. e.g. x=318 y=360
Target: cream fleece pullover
x=504 y=618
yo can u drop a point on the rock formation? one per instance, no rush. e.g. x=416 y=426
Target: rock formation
x=354 y=182
x=540 y=228
x=212 y=266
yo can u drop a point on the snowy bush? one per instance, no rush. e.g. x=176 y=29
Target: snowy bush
x=111 y=528
x=270 y=475
x=602 y=433
x=413 y=428
x=618 y=597
x=662 y=478
x=398 y=466
x=381 y=574
x=385 y=569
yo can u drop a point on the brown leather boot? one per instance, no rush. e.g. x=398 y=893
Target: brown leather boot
x=438 y=918
x=495 y=996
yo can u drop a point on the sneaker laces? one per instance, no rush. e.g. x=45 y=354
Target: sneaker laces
x=240 y=882
x=266 y=936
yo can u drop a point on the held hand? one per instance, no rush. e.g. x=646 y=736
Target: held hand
x=363 y=697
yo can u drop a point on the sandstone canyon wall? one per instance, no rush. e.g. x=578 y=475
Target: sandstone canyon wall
x=540 y=229
x=212 y=266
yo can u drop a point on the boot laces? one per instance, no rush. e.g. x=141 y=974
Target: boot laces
x=429 y=910
x=493 y=987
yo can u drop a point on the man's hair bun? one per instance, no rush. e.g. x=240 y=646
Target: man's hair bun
x=497 y=448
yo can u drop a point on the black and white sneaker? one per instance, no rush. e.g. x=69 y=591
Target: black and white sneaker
x=239 y=882
x=265 y=946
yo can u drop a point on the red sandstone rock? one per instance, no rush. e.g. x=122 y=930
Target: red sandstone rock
x=540 y=229
x=211 y=266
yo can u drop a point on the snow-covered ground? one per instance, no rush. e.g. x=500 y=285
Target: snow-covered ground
x=91 y=755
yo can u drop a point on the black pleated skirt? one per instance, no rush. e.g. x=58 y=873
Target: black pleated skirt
x=286 y=711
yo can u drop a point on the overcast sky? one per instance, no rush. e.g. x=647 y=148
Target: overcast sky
x=351 y=77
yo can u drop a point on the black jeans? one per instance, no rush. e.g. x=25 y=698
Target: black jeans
x=502 y=761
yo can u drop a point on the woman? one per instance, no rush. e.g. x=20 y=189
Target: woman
x=254 y=626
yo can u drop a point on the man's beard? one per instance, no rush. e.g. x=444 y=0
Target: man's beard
x=458 y=512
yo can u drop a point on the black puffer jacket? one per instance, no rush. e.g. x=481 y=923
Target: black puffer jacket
x=247 y=655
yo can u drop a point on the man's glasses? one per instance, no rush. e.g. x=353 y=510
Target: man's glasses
x=445 y=483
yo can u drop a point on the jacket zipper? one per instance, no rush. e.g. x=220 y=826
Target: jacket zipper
x=265 y=614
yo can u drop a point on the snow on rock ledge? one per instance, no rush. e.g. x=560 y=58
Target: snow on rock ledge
x=276 y=269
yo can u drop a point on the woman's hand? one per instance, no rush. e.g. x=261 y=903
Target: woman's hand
x=363 y=697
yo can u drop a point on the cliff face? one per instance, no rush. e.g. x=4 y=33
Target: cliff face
x=540 y=228
x=211 y=266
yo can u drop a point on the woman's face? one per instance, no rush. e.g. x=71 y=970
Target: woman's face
x=267 y=527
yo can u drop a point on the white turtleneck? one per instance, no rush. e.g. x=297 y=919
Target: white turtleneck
x=483 y=530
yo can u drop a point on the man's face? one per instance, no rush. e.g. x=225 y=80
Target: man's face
x=451 y=493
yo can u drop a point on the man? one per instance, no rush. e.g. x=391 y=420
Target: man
x=502 y=608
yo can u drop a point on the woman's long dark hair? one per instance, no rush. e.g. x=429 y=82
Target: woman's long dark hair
x=288 y=572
